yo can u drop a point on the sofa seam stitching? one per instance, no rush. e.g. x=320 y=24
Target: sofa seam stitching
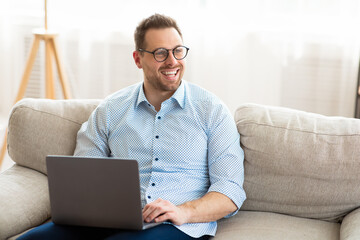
x=45 y=112
x=299 y=130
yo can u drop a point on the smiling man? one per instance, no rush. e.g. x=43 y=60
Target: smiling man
x=183 y=137
x=163 y=76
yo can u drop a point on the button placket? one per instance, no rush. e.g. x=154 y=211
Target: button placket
x=157 y=135
x=156 y=150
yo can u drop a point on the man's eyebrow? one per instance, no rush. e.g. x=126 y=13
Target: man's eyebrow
x=179 y=45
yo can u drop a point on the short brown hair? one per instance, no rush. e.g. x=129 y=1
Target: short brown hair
x=156 y=21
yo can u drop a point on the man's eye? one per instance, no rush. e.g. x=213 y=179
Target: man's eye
x=179 y=50
x=161 y=53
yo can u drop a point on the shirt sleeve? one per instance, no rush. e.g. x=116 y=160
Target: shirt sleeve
x=225 y=157
x=92 y=137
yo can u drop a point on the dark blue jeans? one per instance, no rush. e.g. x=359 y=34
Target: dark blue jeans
x=53 y=231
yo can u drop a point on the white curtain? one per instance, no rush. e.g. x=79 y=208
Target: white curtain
x=302 y=54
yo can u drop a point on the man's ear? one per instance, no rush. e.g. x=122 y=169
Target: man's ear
x=136 y=56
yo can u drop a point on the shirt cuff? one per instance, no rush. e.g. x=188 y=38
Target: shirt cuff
x=232 y=190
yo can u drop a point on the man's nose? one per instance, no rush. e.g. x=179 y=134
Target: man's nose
x=171 y=60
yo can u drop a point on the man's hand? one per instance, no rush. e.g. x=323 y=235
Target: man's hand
x=211 y=207
x=162 y=210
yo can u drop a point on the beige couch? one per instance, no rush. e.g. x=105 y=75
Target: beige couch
x=302 y=170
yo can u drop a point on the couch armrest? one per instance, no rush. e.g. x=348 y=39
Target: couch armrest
x=350 y=227
x=24 y=200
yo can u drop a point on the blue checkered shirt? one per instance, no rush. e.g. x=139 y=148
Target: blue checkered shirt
x=188 y=148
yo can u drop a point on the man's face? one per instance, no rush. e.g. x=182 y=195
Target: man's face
x=161 y=77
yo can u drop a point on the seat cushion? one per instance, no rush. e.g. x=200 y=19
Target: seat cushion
x=299 y=163
x=350 y=227
x=24 y=200
x=248 y=225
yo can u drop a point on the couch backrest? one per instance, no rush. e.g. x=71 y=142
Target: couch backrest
x=41 y=127
x=299 y=163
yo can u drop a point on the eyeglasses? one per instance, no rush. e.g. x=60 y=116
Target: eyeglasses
x=161 y=54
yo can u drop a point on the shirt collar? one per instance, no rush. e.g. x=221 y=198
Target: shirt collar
x=179 y=95
x=141 y=97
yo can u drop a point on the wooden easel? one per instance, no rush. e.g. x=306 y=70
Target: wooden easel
x=51 y=52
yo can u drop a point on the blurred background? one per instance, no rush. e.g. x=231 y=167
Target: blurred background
x=302 y=54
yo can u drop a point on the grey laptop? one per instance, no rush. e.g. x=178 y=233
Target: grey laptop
x=95 y=192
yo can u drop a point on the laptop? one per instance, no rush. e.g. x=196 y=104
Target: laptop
x=95 y=192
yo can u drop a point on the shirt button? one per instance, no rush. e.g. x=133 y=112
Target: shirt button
x=153 y=184
x=156 y=159
x=157 y=136
x=158 y=117
x=149 y=197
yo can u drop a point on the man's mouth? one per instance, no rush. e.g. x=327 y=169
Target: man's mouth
x=171 y=73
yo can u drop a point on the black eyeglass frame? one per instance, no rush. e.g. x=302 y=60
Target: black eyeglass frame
x=167 y=50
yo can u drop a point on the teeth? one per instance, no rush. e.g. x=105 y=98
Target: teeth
x=170 y=73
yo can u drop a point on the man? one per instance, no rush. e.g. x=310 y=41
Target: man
x=184 y=138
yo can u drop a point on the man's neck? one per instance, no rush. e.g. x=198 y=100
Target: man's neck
x=156 y=98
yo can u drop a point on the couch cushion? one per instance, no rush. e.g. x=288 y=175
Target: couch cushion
x=41 y=127
x=299 y=163
x=24 y=200
x=271 y=226
x=350 y=226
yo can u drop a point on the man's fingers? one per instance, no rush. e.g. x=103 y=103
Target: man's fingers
x=154 y=210
x=164 y=217
x=151 y=204
x=153 y=214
